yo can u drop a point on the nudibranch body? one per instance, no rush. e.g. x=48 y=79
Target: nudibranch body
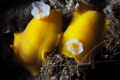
x=85 y=31
x=41 y=35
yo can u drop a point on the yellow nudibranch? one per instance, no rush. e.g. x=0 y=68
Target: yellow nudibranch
x=41 y=35
x=85 y=31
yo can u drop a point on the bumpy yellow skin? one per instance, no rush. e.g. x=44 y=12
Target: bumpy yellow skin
x=40 y=36
x=88 y=27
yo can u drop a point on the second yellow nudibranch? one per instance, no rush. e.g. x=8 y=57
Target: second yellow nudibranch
x=41 y=35
x=85 y=31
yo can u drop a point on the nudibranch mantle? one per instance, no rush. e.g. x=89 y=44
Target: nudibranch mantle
x=87 y=29
x=41 y=35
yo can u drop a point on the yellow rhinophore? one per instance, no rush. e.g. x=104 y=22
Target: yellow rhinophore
x=41 y=35
x=84 y=33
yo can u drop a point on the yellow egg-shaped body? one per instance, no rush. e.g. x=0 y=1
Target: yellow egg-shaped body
x=40 y=36
x=88 y=28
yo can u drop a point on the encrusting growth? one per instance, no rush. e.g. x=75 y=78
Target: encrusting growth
x=85 y=31
x=41 y=35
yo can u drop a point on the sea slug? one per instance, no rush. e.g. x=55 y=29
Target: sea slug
x=85 y=31
x=41 y=35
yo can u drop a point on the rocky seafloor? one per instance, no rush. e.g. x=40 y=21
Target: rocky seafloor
x=14 y=17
